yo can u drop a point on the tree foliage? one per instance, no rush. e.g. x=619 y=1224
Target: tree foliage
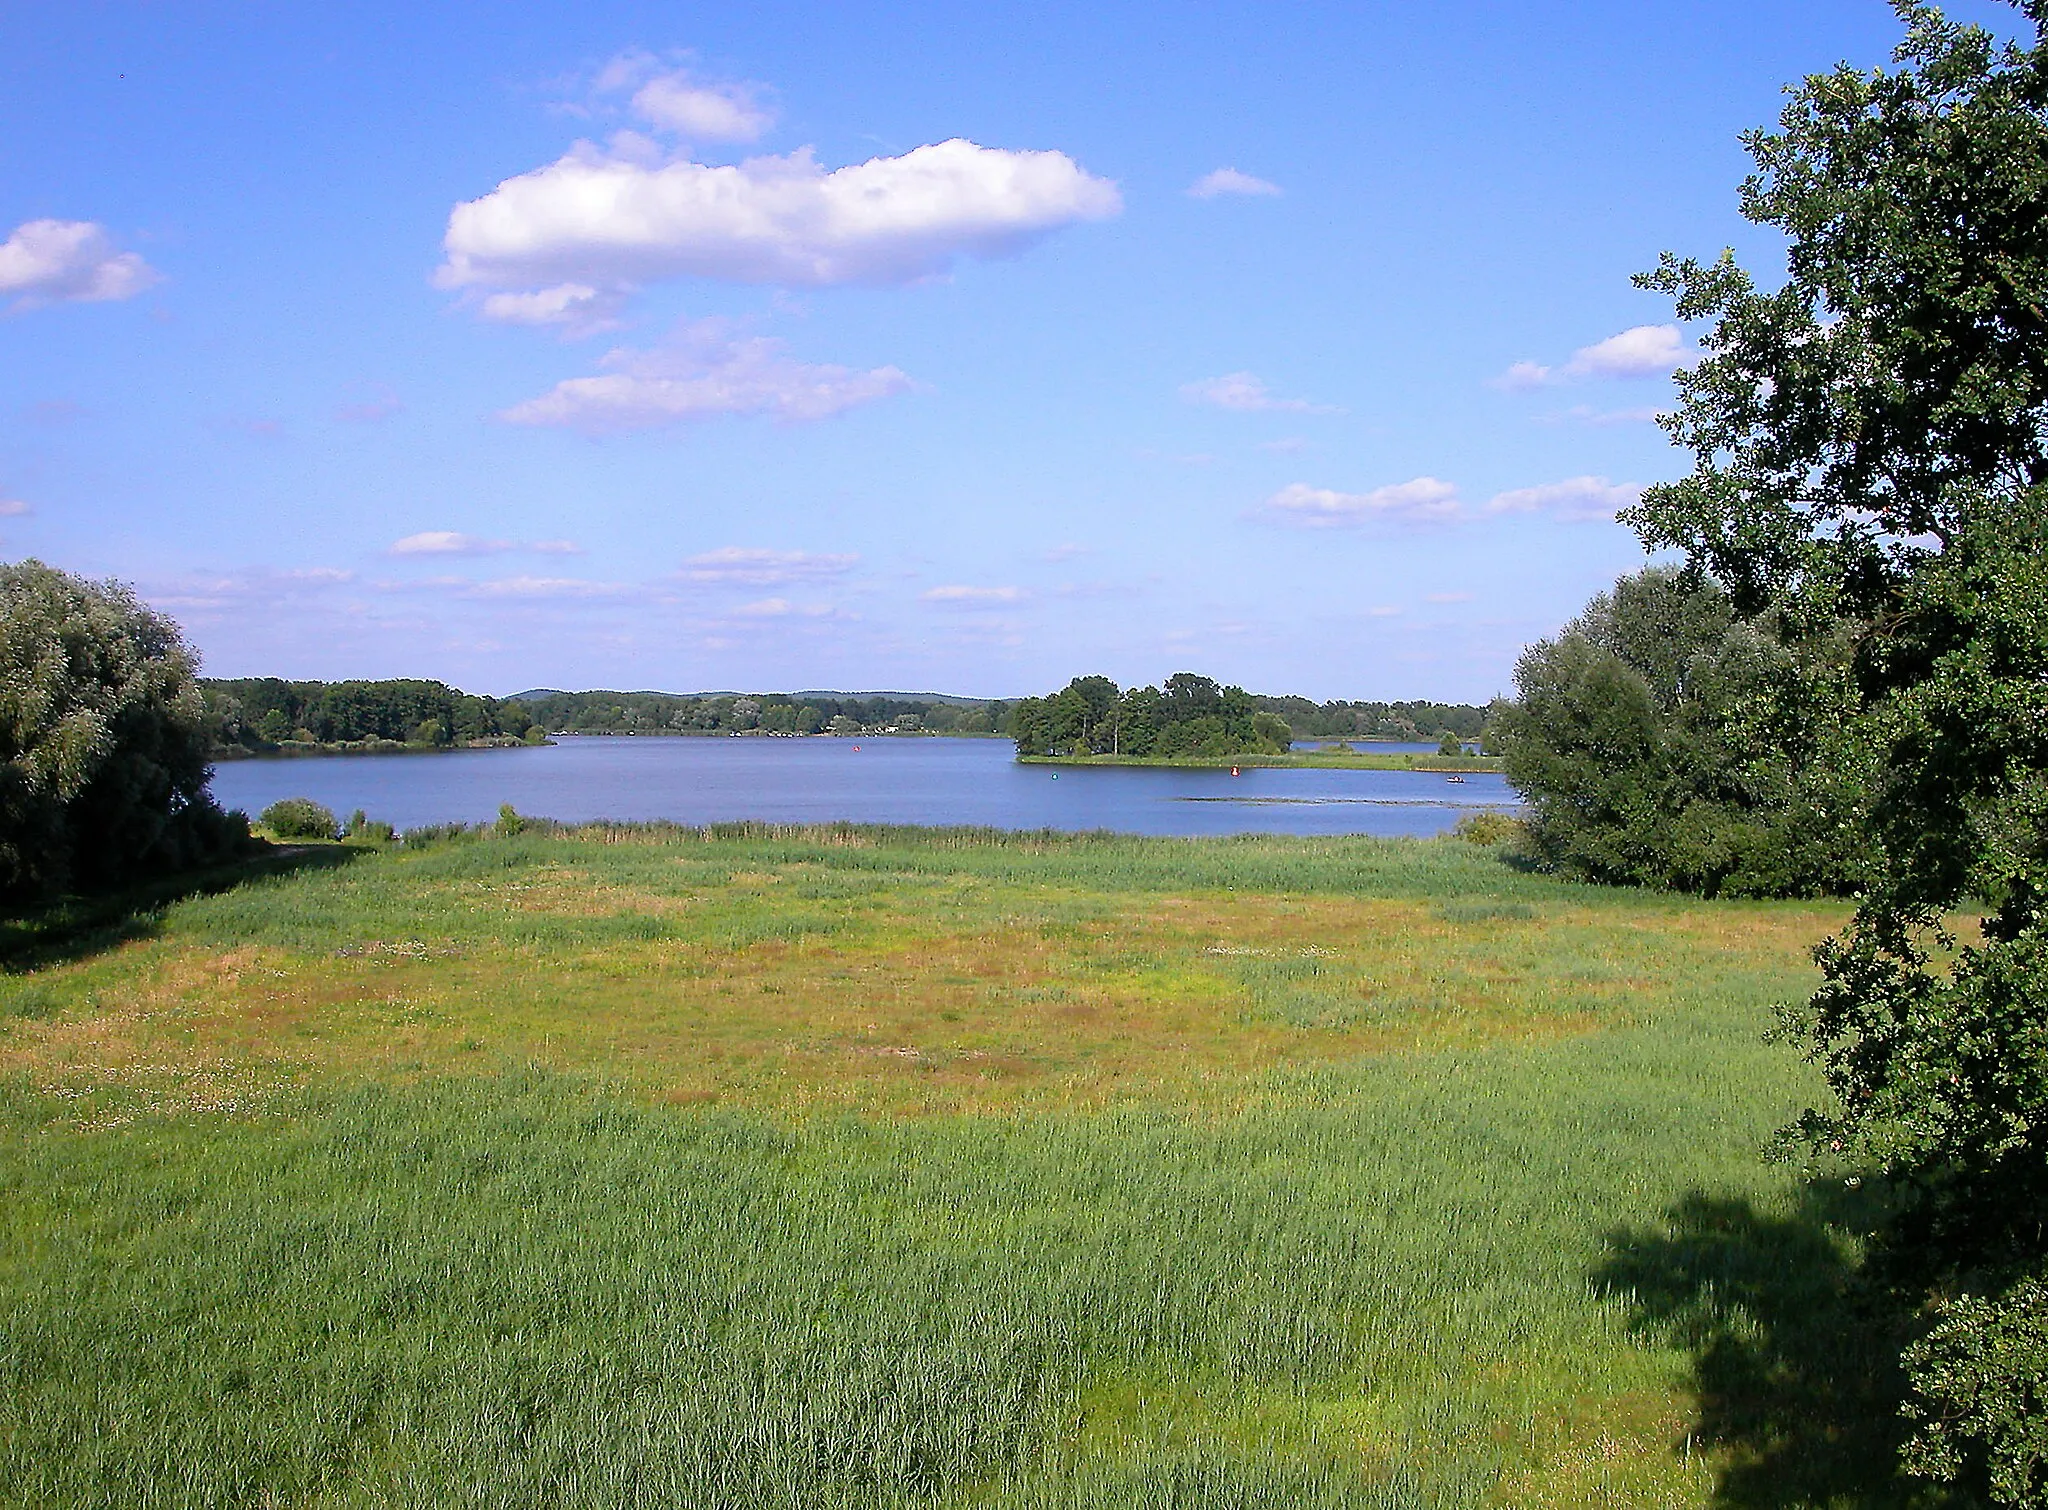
x=1660 y=740
x=103 y=738
x=1189 y=715
x=1870 y=442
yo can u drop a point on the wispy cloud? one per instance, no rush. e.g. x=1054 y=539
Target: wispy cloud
x=1222 y=181
x=1418 y=501
x=574 y=309
x=752 y=567
x=956 y=596
x=673 y=96
x=1640 y=351
x=14 y=508
x=446 y=543
x=1245 y=392
x=68 y=262
x=1575 y=498
x=704 y=373
x=455 y=543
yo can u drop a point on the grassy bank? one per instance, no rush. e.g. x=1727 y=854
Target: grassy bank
x=1332 y=760
x=896 y=1167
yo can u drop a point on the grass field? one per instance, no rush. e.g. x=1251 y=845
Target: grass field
x=861 y=1167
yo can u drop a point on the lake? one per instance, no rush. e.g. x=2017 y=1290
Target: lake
x=822 y=780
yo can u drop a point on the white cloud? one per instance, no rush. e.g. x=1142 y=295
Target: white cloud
x=1576 y=498
x=702 y=112
x=446 y=543
x=576 y=309
x=13 y=508
x=1382 y=611
x=1064 y=552
x=607 y=220
x=751 y=567
x=1421 y=499
x=68 y=261
x=672 y=96
x=543 y=588
x=782 y=608
x=701 y=374
x=1230 y=181
x=1639 y=351
x=1246 y=393
x=972 y=597
x=556 y=548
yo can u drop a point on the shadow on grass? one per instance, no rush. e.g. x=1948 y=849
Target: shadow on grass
x=77 y=927
x=1795 y=1366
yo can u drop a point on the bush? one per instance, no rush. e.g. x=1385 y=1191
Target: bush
x=104 y=738
x=1491 y=829
x=300 y=818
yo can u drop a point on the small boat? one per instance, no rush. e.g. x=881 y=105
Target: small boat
x=1459 y=779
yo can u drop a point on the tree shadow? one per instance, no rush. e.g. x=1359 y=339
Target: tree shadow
x=1795 y=1361
x=79 y=926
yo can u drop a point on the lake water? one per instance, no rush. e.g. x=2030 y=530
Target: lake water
x=821 y=780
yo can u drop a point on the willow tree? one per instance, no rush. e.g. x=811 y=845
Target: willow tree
x=1870 y=443
x=103 y=738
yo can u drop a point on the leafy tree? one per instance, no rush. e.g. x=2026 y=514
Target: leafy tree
x=104 y=736
x=1870 y=443
x=1659 y=740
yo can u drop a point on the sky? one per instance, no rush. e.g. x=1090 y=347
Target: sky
x=908 y=346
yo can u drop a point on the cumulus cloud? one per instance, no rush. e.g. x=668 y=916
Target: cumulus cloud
x=1576 y=498
x=608 y=219
x=1229 y=181
x=701 y=374
x=972 y=597
x=1419 y=500
x=1244 y=392
x=1640 y=351
x=575 y=309
x=68 y=262
x=752 y=567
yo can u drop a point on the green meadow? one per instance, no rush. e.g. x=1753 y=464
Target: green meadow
x=865 y=1167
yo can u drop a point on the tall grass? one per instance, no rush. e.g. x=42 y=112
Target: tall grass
x=1374 y=1280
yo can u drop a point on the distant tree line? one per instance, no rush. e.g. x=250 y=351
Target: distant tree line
x=261 y=711
x=765 y=713
x=1408 y=721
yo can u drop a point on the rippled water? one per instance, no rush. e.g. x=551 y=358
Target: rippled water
x=927 y=781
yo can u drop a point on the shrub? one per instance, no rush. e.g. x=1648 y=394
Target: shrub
x=300 y=818
x=1491 y=829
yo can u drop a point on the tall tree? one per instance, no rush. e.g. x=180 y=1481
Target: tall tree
x=1870 y=440
x=104 y=737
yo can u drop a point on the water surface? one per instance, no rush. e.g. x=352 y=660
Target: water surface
x=820 y=780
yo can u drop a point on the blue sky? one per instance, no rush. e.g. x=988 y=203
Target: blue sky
x=964 y=348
